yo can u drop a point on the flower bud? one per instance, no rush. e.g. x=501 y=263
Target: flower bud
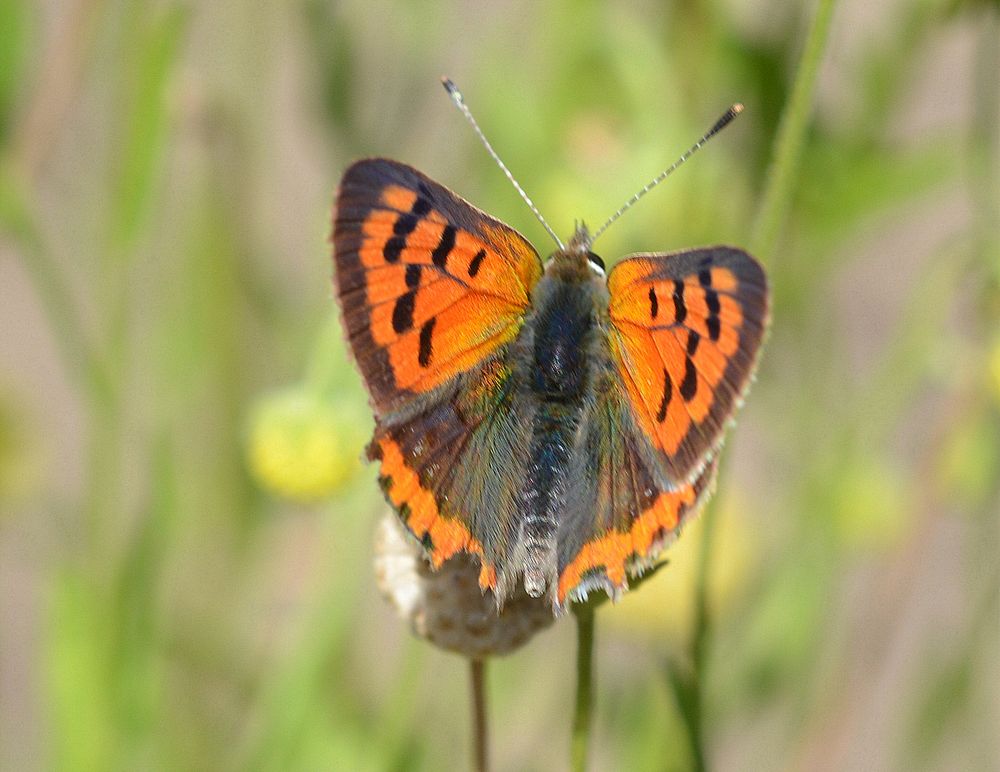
x=302 y=446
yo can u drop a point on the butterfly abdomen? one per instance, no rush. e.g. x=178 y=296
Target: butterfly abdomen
x=559 y=376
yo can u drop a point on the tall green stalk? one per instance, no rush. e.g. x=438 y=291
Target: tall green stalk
x=584 y=708
x=984 y=162
x=688 y=682
x=480 y=723
x=784 y=168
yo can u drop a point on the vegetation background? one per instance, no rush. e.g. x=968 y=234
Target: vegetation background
x=185 y=531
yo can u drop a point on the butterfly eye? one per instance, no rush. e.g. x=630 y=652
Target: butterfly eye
x=596 y=261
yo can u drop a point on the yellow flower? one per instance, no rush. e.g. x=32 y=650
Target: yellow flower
x=871 y=505
x=304 y=446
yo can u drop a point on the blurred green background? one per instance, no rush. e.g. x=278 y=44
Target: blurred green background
x=185 y=530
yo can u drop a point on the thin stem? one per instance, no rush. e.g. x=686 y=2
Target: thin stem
x=791 y=136
x=984 y=162
x=702 y=618
x=687 y=677
x=699 y=636
x=56 y=89
x=584 y=710
x=52 y=96
x=481 y=740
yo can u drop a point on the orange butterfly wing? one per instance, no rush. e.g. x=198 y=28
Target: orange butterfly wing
x=685 y=331
x=432 y=291
x=429 y=285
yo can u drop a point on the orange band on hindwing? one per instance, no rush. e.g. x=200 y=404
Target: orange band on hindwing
x=441 y=536
x=616 y=553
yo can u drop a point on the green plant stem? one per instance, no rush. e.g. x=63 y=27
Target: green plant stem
x=699 y=637
x=791 y=136
x=702 y=618
x=583 y=712
x=687 y=678
x=686 y=684
x=984 y=162
x=481 y=740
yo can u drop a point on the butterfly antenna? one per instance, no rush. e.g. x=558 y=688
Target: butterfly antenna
x=719 y=125
x=459 y=100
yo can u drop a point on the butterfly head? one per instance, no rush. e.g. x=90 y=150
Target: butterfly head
x=576 y=255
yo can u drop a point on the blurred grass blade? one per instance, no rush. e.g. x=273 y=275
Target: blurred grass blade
x=77 y=662
x=154 y=55
x=81 y=359
x=791 y=136
x=14 y=46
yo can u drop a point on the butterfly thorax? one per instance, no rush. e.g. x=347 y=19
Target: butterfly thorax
x=561 y=325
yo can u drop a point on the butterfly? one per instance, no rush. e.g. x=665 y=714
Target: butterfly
x=557 y=420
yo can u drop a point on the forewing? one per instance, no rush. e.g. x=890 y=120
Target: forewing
x=429 y=285
x=685 y=333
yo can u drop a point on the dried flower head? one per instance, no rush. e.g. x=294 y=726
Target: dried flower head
x=446 y=606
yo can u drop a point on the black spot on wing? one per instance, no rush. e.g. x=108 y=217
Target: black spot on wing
x=426 y=350
x=476 y=262
x=447 y=243
x=712 y=303
x=713 y=324
x=393 y=248
x=680 y=310
x=693 y=340
x=404 y=226
x=402 y=312
x=421 y=207
x=654 y=305
x=668 y=388
x=689 y=386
